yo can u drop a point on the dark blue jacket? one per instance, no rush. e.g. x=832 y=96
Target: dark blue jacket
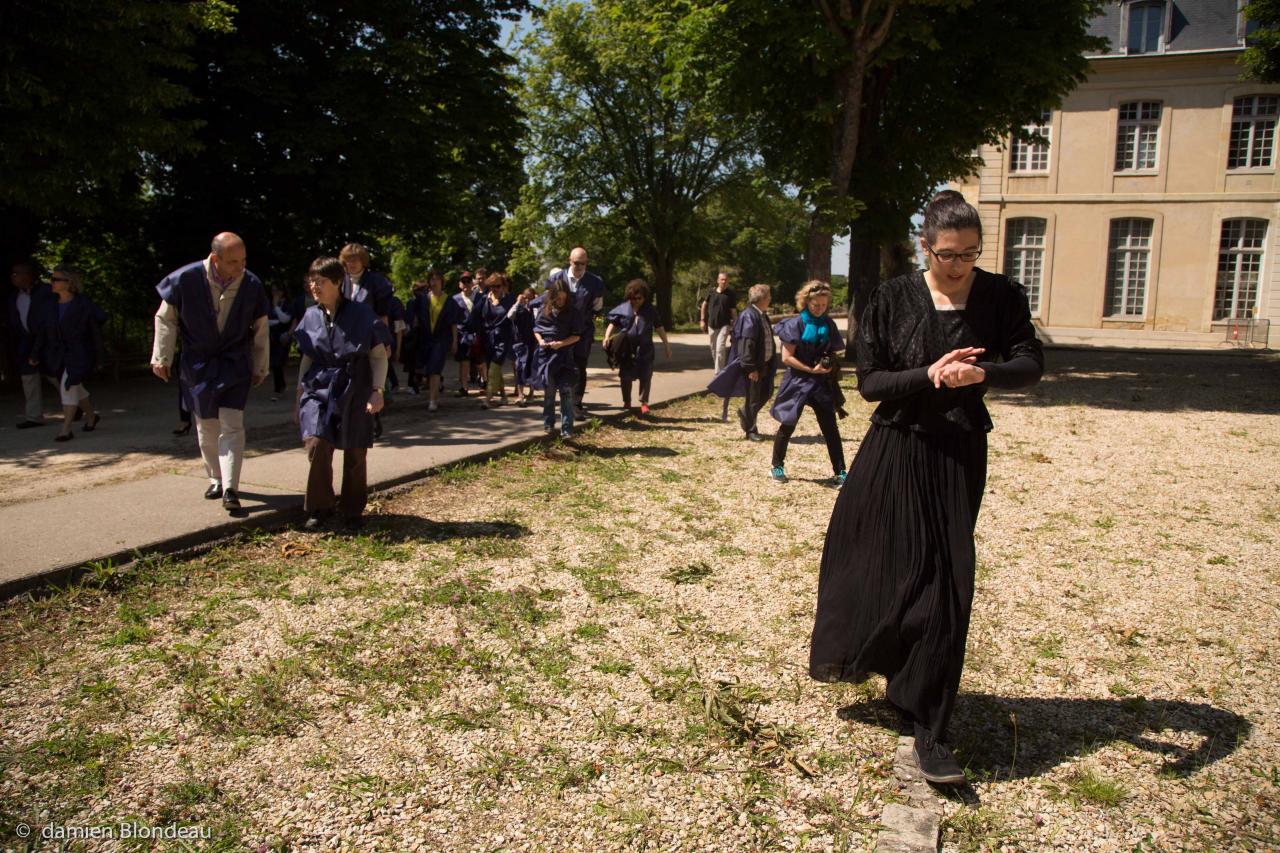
x=337 y=385
x=375 y=289
x=69 y=340
x=42 y=299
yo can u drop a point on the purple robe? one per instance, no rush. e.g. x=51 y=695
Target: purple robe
x=337 y=385
x=495 y=328
x=639 y=327
x=216 y=367
x=433 y=342
x=69 y=339
x=550 y=365
x=798 y=389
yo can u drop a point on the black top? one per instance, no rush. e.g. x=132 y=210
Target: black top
x=902 y=333
x=720 y=307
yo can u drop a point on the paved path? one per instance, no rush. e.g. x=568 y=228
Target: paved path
x=107 y=510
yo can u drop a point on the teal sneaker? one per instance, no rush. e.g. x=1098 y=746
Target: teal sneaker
x=778 y=474
x=838 y=479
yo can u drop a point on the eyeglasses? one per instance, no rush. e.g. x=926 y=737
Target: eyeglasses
x=948 y=257
x=58 y=278
x=577 y=263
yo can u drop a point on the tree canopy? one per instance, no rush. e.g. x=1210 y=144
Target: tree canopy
x=1262 y=58
x=615 y=138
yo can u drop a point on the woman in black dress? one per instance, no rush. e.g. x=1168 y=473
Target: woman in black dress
x=896 y=585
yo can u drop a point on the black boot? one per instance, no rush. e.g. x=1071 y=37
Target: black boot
x=935 y=760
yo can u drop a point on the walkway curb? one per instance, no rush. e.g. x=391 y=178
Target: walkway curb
x=192 y=544
x=912 y=828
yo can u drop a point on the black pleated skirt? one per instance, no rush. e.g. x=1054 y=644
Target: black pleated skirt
x=896 y=585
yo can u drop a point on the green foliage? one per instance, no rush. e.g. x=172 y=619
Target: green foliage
x=1262 y=58
x=620 y=138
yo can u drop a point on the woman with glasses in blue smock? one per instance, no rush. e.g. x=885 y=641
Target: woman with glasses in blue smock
x=67 y=344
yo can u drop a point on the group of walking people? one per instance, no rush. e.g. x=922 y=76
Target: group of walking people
x=218 y=326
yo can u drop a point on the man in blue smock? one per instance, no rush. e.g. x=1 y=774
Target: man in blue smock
x=219 y=309
x=587 y=289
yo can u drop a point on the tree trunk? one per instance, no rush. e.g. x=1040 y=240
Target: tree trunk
x=864 y=272
x=662 y=264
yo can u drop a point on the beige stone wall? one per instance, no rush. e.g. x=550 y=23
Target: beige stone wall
x=1187 y=195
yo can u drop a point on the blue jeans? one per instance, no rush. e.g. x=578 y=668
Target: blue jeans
x=562 y=382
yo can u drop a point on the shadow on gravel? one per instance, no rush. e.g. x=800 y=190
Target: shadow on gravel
x=615 y=452
x=1051 y=731
x=395 y=527
x=649 y=423
x=1246 y=382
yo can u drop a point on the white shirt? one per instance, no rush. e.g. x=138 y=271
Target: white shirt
x=24 y=307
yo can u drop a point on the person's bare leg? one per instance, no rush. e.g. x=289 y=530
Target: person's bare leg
x=68 y=417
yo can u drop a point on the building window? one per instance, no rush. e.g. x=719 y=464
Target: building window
x=1024 y=256
x=1253 y=131
x=1127 y=264
x=1146 y=28
x=1138 y=135
x=1032 y=156
x=1239 y=269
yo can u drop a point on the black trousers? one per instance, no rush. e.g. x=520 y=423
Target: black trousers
x=757 y=395
x=830 y=432
x=580 y=385
x=277 y=378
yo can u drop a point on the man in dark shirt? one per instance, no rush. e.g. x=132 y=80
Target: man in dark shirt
x=718 y=310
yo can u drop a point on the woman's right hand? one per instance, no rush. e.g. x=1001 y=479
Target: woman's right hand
x=966 y=355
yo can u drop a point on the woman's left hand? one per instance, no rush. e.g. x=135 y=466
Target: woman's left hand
x=958 y=374
x=667 y=347
x=375 y=403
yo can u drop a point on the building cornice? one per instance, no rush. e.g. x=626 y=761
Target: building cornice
x=1272 y=197
x=1138 y=57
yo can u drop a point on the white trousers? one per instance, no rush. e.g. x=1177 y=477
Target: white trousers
x=222 y=446
x=33 y=405
x=719 y=339
x=70 y=396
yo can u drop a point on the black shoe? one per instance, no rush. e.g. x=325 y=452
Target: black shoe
x=579 y=413
x=30 y=424
x=353 y=524
x=90 y=427
x=186 y=430
x=935 y=760
x=754 y=436
x=230 y=500
x=316 y=520
x=213 y=492
x=377 y=426
x=64 y=436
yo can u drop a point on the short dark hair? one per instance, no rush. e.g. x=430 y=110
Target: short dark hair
x=330 y=268
x=948 y=211
x=637 y=287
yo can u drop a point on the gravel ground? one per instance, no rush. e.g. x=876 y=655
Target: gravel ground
x=602 y=645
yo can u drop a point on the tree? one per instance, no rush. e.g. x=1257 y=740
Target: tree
x=330 y=121
x=1262 y=58
x=800 y=71
x=615 y=136
x=87 y=90
x=916 y=135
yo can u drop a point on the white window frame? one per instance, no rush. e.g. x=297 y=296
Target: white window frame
x=1126 y=244
x=1162 y=40
x=1032 y=158
x=1133 y=131
x=1239 y=254
x=1024 y=255
x=1256 y=122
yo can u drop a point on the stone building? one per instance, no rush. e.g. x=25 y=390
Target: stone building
x=1148 y=212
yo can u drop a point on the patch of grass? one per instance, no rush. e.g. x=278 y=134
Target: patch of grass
x=613 y=666
x=971 y=830
x=1219 y=560
x=590 y=631
x=1086 y=787
x=600 y=581
x=690 y=573
x=85 y=760
x=1048 y=646
x=1106 y=522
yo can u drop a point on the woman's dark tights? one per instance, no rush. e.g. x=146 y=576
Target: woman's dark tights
x=830 y=432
